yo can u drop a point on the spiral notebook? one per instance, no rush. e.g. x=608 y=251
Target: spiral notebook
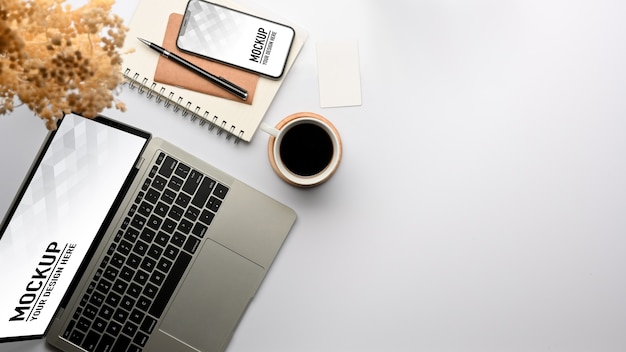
x=236 y=119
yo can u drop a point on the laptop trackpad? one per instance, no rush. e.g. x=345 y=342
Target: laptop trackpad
x=213 y=297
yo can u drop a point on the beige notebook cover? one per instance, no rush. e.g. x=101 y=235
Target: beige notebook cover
x=236 y=118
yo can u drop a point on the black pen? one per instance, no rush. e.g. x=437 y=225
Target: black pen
x=217 y=80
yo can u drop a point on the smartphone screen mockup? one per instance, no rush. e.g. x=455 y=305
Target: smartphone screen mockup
x=235 y=38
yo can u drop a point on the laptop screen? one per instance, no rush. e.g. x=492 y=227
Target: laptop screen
x=57 y=216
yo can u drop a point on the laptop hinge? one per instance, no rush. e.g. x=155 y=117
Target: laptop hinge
x=139 y=163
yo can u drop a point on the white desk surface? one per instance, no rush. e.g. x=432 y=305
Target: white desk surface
x=481 y=201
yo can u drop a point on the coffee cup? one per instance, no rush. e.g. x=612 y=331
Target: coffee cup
x=304 y=149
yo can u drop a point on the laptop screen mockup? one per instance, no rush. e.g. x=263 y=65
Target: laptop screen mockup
x=56 y=218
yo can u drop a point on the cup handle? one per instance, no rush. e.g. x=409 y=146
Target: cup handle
x=272 y=131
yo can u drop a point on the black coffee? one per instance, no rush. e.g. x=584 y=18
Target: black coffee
x=306 y=149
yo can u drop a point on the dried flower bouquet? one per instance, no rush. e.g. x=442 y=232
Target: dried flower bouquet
x=56 y=59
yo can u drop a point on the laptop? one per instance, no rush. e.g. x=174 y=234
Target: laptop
x=117 y=241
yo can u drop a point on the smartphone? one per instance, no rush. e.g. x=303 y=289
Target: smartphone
x=235 y=38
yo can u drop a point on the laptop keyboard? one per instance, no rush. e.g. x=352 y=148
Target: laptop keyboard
x=147 y=259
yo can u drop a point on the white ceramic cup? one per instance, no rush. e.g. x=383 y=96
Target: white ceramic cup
x=304 y=149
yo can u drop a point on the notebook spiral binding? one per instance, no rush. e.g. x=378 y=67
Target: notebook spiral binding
x=160 y=95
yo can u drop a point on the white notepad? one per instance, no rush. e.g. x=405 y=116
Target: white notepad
x=339 y=73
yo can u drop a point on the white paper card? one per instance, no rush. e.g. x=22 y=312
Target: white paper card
x=339 y=73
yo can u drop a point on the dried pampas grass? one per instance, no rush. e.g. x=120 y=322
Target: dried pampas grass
x=56 y=59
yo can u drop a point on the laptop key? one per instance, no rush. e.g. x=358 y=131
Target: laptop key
x=146 y=185
x=176 y=213
x=154 y=222
x=77 y=313
x=131 y=235
x=124 y=247
x=164 y=265
x=162 y=238
x=113 y=299
x=168 y=196
x=68 y=330
x=192 y=244
x=91 y=287
x=83 y=324
x=133 y=261
x=220 y=191
x=175 y=183
x=148 y=325
x=152 y=195
x=182 y=170
x=96 y=299
x=99 y=325
x=169 y=285
x=168 y=166
x=192 y=213
x=199 y=229
x=214 y=204
x=147 y=235
x=106 y=343
x=136 y=316
x=98 y=274
x=155 y=251
x=114 y=329
x=117 y=260
x=118 y=236
x=185 y=226
x=157 y=277
x=193 y=181
x=150 y=290
x=141 y=339
x=110 y=273
x=91 y=341
x=134 y=348
x=140 y=248
x=104 y=262
x=159 y=183
x=141 y=277
x=106 y=312
x=161 y=209
x=127 y=273
x=129 y=329
x=145 y=208
x=143 y=303
x=171 y=252
x=90 y=311
x=148 y=264
x=183 y=200
x=203 y=192
x=84 y=300
x=206 y=217
x=127 y=303
x=76 y=337
x=111 y=249
x=178 y=239
x=121 y=344
x=159 y=158
x=125 y=222
x=168 y=226
x=153 y=171
x=120 y=316
x=134 y=290
x=120 y=286
x=139 y=197
x=103 y=286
